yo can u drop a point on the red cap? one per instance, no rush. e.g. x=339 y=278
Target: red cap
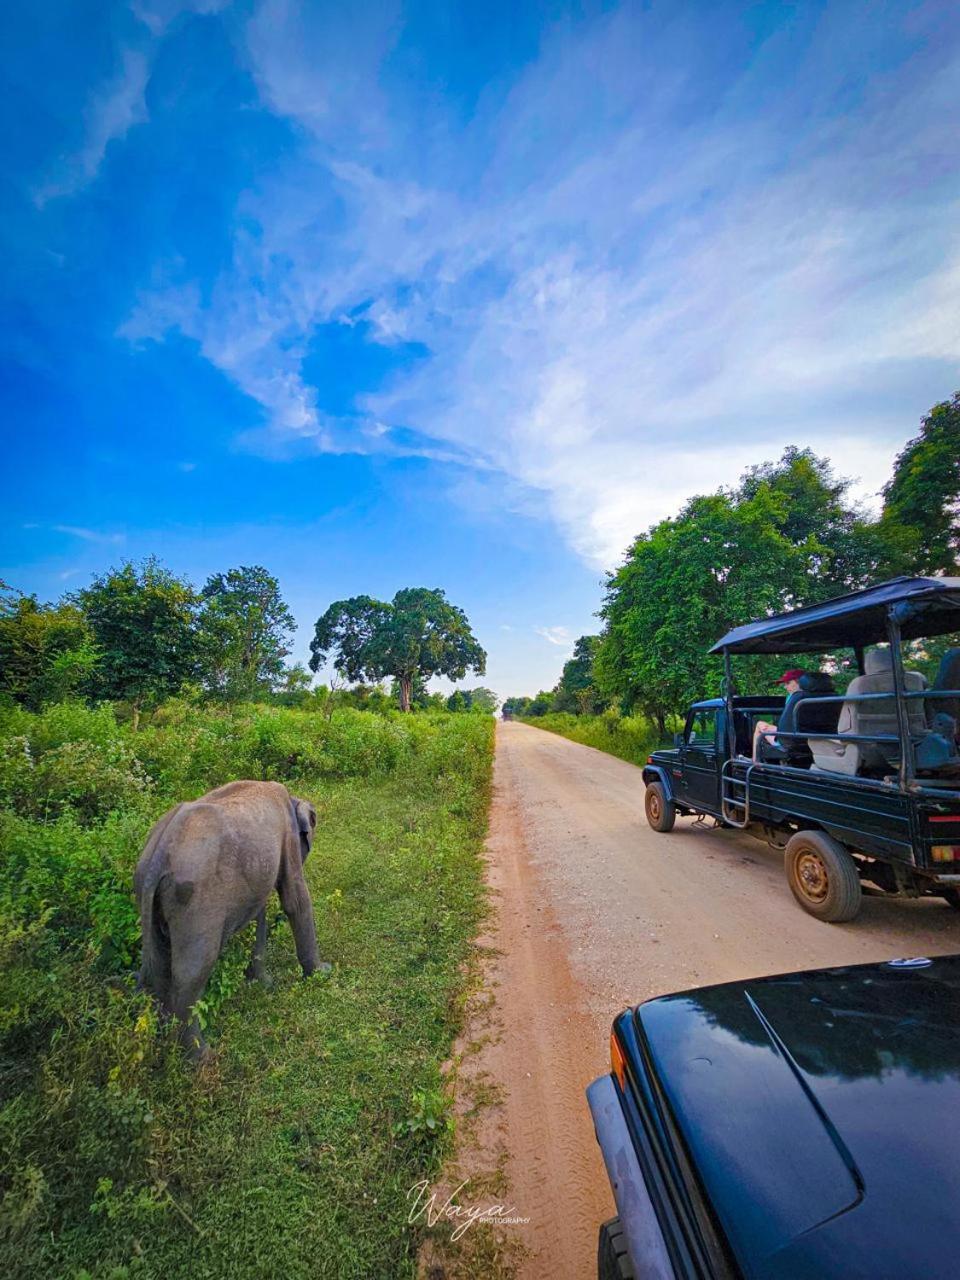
x=787 y=676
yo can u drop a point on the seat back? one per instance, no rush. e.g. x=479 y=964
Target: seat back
x=878 y=717
x=948 y=677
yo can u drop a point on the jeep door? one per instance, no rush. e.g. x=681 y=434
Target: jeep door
x=699 y=759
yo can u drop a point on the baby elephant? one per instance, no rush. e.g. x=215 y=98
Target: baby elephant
x=207 y=869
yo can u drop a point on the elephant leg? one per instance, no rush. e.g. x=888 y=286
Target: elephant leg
x=297 y=907
x=192 y=965
x=255 y=972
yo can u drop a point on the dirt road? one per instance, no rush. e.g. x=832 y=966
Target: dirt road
x=596 y=911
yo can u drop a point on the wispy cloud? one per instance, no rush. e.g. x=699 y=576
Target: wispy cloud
x=559 y=636
x=90 y=535
x=111 y=112
x=631 y=285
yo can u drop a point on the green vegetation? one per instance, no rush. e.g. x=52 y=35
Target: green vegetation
x=629 y=737
x=292 y=1155
x=417 y=635
x=787 y=535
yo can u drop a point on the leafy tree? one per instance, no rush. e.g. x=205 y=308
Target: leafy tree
x=46 y=651
x=515 y=706
x=541 y=705
x=921 y=512
x=244 y=628
x=418 y=633
x=142 y=619
x=481 y=699
x=574 y=691
x=293 y=689
x=458 y=701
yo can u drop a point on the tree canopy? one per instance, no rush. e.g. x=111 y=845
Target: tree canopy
x=142 y=618
x=244 y=629
x=46 y=651
x=418 y=633
x=921 y=513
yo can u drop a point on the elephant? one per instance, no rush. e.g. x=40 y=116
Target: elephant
x=208 y=869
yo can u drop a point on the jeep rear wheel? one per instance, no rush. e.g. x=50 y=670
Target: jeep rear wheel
x=822 y=876
x=613 y=1262
x=661 y=812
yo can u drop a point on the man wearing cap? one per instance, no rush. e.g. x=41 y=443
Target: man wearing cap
x=769 y=748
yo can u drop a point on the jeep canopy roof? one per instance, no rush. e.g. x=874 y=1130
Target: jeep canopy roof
x=924 y=606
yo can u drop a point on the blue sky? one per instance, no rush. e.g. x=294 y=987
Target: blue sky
x=457 y=295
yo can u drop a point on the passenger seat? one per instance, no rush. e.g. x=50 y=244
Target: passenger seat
x=870 y=717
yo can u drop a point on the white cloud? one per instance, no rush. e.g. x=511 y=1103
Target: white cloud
x=628 y=295
x=109 y=115
x=556 y=635
x=90 y=535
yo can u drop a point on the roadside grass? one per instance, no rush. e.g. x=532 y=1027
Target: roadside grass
x=629 y=737
x=294 y=1152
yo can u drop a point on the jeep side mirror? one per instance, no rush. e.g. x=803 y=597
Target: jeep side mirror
x=678 y=739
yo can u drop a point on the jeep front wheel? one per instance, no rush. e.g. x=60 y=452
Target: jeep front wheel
x=822 y=876
x=661 y=812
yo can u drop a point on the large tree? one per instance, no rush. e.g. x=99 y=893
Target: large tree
x=921 y=511
x=142 y=618
x=419 y=633
x=243 y=633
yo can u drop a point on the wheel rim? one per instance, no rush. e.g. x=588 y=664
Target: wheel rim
x=812 y=877
x=653 y=806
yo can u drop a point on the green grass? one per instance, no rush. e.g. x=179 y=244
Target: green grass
x=629 y=737
x=292 y=1155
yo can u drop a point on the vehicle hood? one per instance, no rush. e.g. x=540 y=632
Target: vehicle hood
x=819 y=1111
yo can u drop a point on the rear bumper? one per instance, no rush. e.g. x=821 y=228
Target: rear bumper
x=645 y=1242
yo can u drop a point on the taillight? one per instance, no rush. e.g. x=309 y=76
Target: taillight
x=945 y=852
x=618 y=1063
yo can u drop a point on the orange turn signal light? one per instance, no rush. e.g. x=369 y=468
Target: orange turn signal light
x=618 y=1063
x=945 y=852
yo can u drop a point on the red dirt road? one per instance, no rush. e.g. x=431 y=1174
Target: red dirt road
x=596 y=911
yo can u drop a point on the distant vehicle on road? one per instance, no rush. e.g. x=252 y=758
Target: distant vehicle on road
x=786 y=1128
x=866 y=785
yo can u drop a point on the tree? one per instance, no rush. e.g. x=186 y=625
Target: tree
x=418 y=633
x=541 y=705
x=293 y=689
x=46 y=651
x=458 y=701
x=419 y=693
x=481 y=699
x=921 y=511
x=142 y=619
x=244 y=627
x=574 y=690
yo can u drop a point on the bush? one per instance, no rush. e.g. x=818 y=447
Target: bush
x=629 y=737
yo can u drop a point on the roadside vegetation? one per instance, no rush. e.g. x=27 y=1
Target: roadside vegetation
x=788 y=535
x=326 y=1102
x=292 y=1152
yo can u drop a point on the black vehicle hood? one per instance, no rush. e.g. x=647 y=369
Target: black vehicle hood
x=820 y=1111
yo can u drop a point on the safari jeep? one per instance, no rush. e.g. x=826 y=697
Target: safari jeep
x=867 y=786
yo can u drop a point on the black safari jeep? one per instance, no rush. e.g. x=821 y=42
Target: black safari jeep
x=866 y=784
x=801 y=1127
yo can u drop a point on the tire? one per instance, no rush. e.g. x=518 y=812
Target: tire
x=613 y=1262
x=661 y=812
x=822 y=876
x=952 y=898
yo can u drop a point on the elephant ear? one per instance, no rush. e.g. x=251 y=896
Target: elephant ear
x=306 y=817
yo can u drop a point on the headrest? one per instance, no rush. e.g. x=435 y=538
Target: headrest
x=816 y=682
x=877 y=661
